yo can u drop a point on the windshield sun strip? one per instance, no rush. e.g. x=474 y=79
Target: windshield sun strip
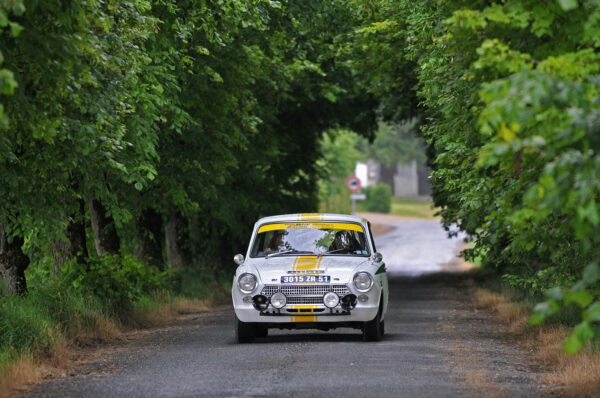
x=310 y=225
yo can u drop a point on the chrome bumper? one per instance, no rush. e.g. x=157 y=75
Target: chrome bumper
x=305 y=303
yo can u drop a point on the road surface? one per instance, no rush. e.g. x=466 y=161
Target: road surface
x=436 y=345
x=415 y=246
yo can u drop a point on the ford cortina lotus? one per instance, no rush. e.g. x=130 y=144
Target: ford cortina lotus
x=310 y=271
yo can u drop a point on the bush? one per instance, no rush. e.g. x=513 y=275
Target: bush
x=24 y=328
x=118 y=280
x=192 y=282
x=39 y=323
x=379 y=198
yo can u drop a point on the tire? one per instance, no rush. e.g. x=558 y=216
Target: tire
x=261 y=331
x=374 y=330
x=244 y=332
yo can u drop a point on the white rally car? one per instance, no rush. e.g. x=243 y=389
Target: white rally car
x=318 y=271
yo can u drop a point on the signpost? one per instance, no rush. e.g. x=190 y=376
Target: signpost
x=353 y=184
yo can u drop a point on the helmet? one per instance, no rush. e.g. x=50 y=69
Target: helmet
x=343 y=240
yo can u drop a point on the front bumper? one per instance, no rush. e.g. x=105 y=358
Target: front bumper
x=306 y=311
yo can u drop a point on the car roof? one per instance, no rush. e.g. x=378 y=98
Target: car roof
x=312 y=217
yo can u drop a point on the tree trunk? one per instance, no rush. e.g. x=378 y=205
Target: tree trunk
x=13 y=263
x=149 y=227
x=106 y=240
x=61 y=253
x=77 y=236
x=216 y=243
x=75 y=246
x=174 y=255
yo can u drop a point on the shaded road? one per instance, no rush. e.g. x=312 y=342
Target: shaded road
x=436 y=346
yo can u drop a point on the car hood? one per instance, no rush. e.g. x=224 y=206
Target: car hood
x=340 y=268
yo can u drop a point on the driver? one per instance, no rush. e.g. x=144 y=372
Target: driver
x=343 y=240
x=275 y=243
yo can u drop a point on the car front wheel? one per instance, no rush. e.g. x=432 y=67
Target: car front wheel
x=261 y=331
x=244 y=332
x=373 y=330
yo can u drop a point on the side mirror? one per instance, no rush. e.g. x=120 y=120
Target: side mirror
x=377 y=257
x=239 y=259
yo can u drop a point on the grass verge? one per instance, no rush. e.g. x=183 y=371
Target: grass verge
x=408 y=208
x=40 y=332
x=578 y=374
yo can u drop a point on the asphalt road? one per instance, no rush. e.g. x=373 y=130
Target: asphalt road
x=436 y=345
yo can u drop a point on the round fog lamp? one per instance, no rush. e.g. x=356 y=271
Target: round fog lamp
x=331 y=299
x=278 y=300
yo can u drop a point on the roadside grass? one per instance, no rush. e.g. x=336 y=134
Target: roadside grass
x=579 y=374
x=40 y=332
x=408 y=208
x=159 y=307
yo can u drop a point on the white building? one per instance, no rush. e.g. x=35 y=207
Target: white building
x=408 y=180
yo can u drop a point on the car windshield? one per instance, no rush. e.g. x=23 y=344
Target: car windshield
x=310 y=238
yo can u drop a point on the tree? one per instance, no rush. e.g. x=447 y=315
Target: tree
x=509 y=100
x=397 y=143
x=72 y=130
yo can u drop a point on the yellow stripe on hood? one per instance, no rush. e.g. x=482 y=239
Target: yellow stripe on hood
x=303 y=263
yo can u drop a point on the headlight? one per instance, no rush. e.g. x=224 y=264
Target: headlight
x=331 y=299
x=247 y=283
x=363 y=281
x=278 y=300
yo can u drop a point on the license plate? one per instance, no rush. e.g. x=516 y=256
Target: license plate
x=306 y=279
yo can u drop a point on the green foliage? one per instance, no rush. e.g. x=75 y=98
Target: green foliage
x=23 y=328
x=37 y=324
x=510 y=104
x=396 y=143
x=118 y=280
x=510 y=96
x=379 y=198
x=11 y=29
x=194 y=283
x=176 y=106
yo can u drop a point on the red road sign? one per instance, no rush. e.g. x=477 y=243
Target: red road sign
x=353 y=183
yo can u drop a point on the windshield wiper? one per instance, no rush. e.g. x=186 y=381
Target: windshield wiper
x=333 y=251
x=287 y=252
